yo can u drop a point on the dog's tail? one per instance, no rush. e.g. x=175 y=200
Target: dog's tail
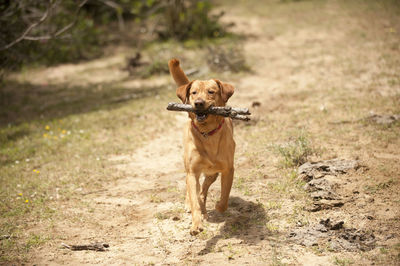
x=177 y=72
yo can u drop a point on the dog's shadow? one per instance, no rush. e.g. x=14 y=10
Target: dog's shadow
x=244 y=220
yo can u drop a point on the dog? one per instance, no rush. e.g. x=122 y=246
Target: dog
x=209 y=146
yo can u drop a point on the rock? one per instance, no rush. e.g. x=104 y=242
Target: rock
x=334 y=233
x=319 y=176
x=309 y=171
x=324 y=205
x=353 y=240
x=328 y=224
x=383 y=119
x=317 y=184
x=324 y=194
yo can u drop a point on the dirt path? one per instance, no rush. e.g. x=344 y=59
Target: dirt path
x=142 y=216
x=298 y=74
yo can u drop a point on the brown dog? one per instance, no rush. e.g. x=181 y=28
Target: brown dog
x=208 y=142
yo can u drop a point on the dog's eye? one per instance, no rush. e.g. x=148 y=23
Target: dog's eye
x=194 y=92
x=211 y=92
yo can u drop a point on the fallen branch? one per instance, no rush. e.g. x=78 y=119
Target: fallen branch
x=227 y=111
x=98 y=246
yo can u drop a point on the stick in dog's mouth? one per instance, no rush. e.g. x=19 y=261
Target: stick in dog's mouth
x=201 y=115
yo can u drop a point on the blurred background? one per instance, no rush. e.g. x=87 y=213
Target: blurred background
x=52 y=32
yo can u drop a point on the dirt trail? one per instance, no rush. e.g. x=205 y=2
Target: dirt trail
x=142 y=216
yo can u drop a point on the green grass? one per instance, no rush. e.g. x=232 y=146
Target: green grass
x=372 y=189
x=342 y=261
x=296 y=151
x=52 y=155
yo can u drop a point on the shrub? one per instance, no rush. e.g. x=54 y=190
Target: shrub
x=92 y=23
x=296 y=151
x=190 y=19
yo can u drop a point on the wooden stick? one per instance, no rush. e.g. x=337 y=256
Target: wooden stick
x=227 y=111
x=94 y=246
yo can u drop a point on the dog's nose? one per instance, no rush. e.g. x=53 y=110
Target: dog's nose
x=199 y=103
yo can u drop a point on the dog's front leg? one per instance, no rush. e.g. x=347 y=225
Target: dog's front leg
x=208 y=180
x=193 y=187
x=226 y=185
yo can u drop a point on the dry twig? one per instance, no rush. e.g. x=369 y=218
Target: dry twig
x=98 y=246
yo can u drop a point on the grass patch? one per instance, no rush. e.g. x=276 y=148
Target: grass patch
x=35 y=240
x=372 y=189
x=296 y=151
x=342 y=261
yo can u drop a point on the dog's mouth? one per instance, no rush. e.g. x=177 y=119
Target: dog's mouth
x=201 y=117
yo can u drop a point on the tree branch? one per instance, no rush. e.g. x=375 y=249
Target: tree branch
x=42 y=19
x=33 y=25
x=227 y=111
x=61 y=31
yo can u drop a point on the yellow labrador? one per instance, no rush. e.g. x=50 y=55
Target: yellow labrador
x=208 y=142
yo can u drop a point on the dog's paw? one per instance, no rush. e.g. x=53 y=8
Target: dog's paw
x=195 y=230
x=187 y=208
x=220 y=207
x=205 y=216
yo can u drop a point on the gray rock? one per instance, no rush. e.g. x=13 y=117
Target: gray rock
x=383 y=119
x=335 y=235
x=315 y=170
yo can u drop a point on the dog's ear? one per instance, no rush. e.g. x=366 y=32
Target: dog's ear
x=183 y=91
x=226 y=89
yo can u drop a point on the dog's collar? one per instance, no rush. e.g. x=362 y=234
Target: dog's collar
x=212 y=132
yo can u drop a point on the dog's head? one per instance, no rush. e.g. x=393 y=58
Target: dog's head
x=202 y=94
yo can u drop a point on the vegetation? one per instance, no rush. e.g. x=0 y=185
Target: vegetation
x=296 y=151
x=51 y=32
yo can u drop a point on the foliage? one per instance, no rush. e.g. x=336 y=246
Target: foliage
x=296 y=151
x=190 y=19
x=80 y=42
x=92 y=24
